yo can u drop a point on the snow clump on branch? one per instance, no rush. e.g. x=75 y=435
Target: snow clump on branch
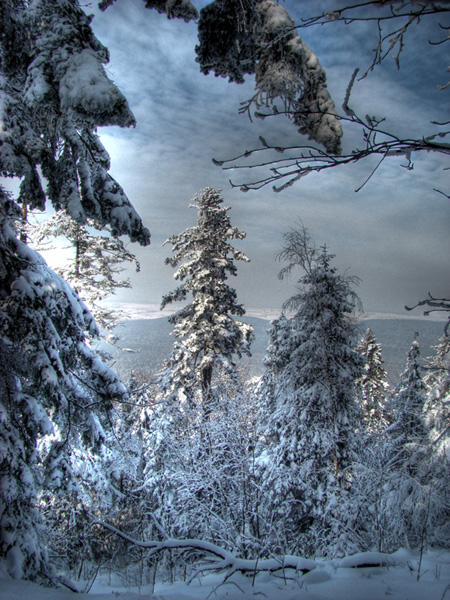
x=261 y=38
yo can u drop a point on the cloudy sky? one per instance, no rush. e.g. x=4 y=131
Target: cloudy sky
x=393 y=234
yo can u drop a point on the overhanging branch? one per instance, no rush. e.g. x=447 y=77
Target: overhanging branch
x=435 y=305
x=305 y=159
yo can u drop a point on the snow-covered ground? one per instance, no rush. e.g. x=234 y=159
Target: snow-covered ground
x=400 y=579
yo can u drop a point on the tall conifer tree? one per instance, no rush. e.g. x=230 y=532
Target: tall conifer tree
x=186 y=441
x=310 y=431
x=208 y=336
x=54 y=93
x=371 y=387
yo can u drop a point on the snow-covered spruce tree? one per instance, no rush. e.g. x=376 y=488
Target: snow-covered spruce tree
x=22 y=535
x=61 y=399
x=282 y=341
x=391 y=490
x=401 y=482
x=408 y=435
x=408 y=402
x=309 y=437
x=54 y=92
x=415 y=494
x=92 y=269
x=371 y=470
x=437 y=418
x=371 y=386
x=437 y=380
x=189 y=407
x=208 y=337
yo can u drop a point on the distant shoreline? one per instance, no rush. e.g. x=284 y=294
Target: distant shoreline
x=147 y=342
x=139 y=311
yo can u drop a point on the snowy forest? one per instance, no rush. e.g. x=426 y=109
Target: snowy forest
x=200 y=470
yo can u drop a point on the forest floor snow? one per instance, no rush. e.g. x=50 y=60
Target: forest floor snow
x=330 y=580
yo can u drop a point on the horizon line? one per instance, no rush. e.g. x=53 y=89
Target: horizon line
x=144 y=311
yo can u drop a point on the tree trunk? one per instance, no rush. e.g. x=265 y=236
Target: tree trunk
x=23 y=232
x=206 y=391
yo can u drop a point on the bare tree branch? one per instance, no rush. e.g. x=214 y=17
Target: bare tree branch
x=298 y=161
x=409 y=12
x=436 y=305
x=306 y=159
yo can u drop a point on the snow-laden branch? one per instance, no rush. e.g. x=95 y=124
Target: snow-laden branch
x=223 y=559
